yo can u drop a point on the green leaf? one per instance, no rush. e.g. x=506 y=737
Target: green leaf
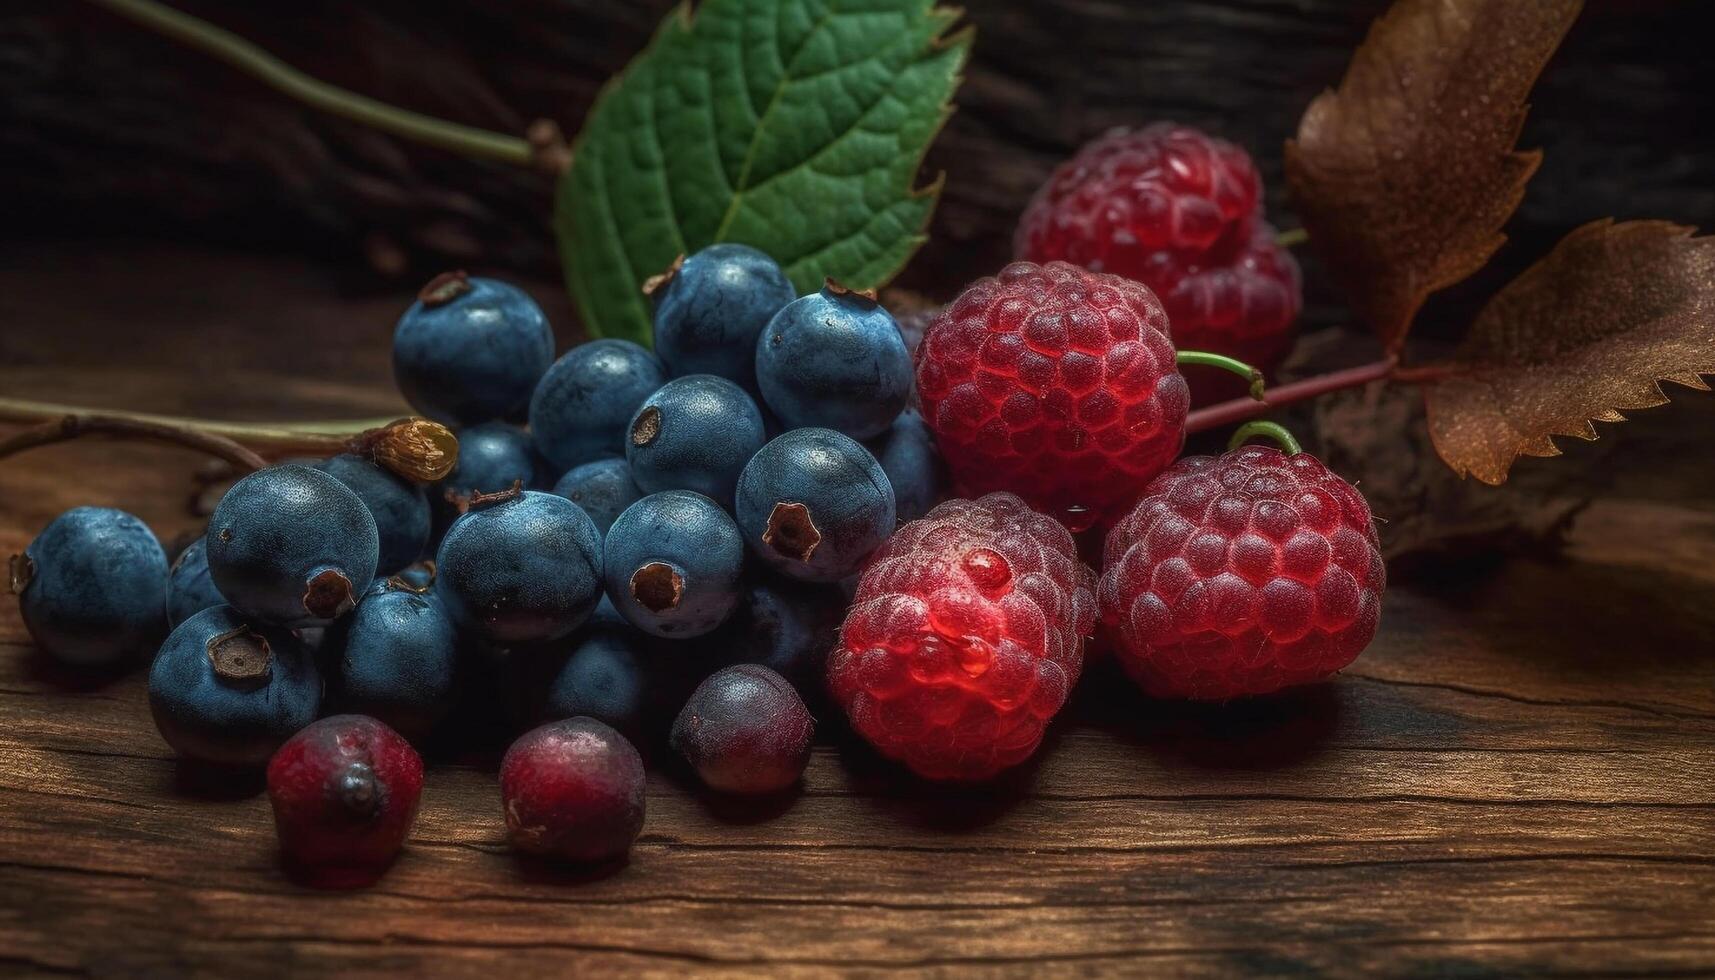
x=795 y=126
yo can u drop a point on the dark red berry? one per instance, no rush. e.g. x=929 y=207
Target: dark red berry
x=1180 y=212
x=345 y=791
x=1056 y=384
x=1242 y=574
x=745 y=730
x=964 y=637
x=572 y=789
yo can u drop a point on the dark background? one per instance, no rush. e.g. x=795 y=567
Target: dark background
x=108 y=130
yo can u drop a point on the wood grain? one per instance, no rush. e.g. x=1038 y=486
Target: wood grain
x=1517 y=778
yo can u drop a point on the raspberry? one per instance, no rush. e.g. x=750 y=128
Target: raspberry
x=964 y=637
x=1180 y=212
x=1242 y=574
x=1057 y=384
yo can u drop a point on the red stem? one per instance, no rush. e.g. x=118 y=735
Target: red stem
x=1241 y=409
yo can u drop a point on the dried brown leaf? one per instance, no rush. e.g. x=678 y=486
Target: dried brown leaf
x=1585 y=333
x=1406 y=173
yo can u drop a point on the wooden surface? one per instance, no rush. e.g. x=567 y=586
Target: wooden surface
x=1518 y=777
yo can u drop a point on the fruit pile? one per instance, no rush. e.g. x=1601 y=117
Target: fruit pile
x=747 y=521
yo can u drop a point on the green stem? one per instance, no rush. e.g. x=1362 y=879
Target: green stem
x=1268 y=430
x=1292 y=238
x=276 y=74
x=1225 y=363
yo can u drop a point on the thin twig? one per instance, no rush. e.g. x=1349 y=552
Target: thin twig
x=274 y=440
x=241 y=54
x=1292 y=238
x=1241 y=409
x=77 y=425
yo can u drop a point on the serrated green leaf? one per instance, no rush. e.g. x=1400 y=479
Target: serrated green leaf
x=795 y=126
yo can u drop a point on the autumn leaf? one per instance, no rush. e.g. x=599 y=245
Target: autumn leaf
x=1585 y=333
x=1406 y=173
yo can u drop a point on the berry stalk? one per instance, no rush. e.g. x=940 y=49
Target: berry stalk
x=1241 y=409
x=414 y=448
x=540 y=149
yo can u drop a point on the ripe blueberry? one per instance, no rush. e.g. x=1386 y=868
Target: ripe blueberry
x=470 y=350
x=602 y=487
x=400 y=509
x=92 y=587
x=907 y=455
x=695 y=433
x=580 y=409
x=605 y=676
x=394 y=658
x=787 y=626
x=228 y=689
x=834 y=359
x=573 y=790
x=520 y=567
x=673 y=563
x=344 y=792
x=492 y=457
x=745 y=730
x=813 y=504
x=190 y=590
x=292 y=545
x=710 y=308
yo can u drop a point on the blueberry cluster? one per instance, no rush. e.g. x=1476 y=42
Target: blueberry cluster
x=619 y=527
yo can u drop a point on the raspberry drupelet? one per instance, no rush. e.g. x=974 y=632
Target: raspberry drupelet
x=1242 y=574
x=964 y=637
x=1180 y=212
x=1057 y=384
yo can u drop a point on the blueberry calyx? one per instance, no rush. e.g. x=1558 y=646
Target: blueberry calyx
x=357 y=789
x=479 y=499
x=791 y=531
x=444 y=288
x=659 y=281
x=416 y=449
x=327 y=595
x=241 y=657
x=657 y=586
x=647 y=426
x=836 y=289
x=21 y=569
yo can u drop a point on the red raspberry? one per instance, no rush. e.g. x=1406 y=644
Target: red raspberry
x=1242 y=574
x=1057 y=384
x=964 y=637
x=1180 y=212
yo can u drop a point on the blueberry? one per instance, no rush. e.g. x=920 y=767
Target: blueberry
x=523 y=568
x=789 y=627
x=572 y=790
x=417 y=577
x=745 y=730
x=92 y=587
x=581 y=407
x=470 y=350
x=834 y=359
x=606 y=676
x=400 y=509
x=710 y=308
x=228 y=689
x=190 y=590
x=813 y=504
x=695 y=433
x=673 y=563
x=907 y=455
x=292 y=545
x=395 y=658
x=602 y=487
x=492 y=457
